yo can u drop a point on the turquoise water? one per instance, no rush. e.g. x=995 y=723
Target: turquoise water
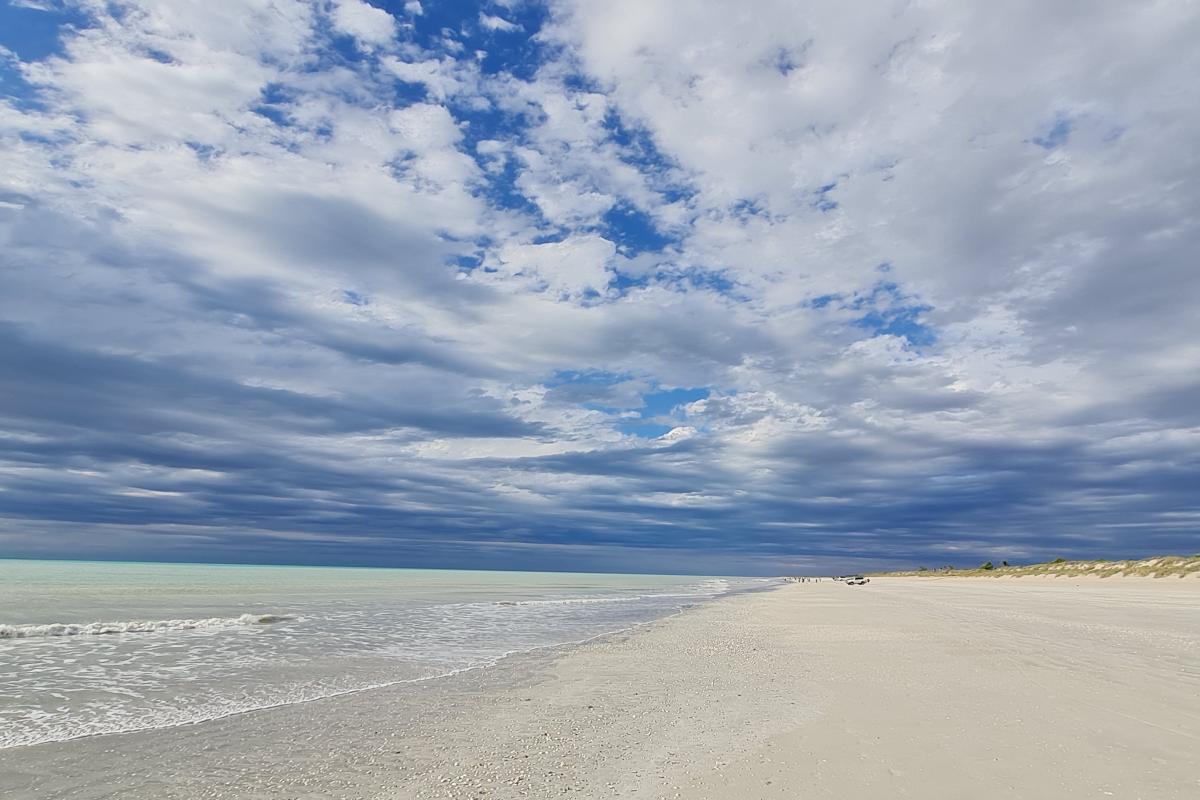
x=100 y=647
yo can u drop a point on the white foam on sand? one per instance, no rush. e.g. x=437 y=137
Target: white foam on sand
x=133 y=626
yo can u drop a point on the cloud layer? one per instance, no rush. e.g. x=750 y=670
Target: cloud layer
x=624 y=286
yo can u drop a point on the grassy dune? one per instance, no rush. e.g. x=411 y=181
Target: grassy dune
x=1157 y=567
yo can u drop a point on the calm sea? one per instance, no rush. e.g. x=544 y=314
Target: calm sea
x=101 y=647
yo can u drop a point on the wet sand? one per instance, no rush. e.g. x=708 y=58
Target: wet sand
x=955 y=688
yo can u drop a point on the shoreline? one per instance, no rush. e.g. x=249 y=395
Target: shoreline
x=268 y=725
x=550 y=651
x=999 y=689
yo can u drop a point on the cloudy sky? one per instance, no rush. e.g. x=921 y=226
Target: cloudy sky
x=622 y=285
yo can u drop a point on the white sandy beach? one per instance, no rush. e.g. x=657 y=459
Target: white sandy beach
x=931 y=688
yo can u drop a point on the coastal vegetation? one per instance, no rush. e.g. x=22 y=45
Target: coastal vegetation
x=1156 y=567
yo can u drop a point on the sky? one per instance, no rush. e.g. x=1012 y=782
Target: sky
x=678 y=286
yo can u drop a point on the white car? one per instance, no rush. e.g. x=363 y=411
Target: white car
x=857 y=580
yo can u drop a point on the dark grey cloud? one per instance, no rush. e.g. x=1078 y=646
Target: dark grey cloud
x=45 y=385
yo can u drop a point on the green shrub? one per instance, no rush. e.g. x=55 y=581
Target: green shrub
x=986 y=565
x=1059 y=560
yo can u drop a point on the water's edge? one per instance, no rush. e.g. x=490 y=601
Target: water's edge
x=547 y=653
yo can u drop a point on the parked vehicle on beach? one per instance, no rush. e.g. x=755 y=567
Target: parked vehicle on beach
x=857 y=580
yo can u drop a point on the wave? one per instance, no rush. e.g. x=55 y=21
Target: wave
x=171 y=721
x=569 y=601
x=134 y=626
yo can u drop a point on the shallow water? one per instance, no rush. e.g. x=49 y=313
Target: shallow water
x=101 y=647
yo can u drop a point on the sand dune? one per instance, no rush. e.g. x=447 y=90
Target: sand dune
x=1156 y=567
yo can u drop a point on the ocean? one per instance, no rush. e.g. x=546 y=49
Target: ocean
x=102 y=647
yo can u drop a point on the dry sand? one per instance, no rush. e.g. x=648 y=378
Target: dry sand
x=955 y=688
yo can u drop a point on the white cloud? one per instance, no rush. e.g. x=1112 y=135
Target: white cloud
x=443 y=78
x=571 y=267
x=366 y=23
x=494 y=23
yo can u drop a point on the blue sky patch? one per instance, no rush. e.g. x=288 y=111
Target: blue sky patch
x=822 y=200
x=665 y=401
x=33 y=33
x=824 y=300
x=1056 y=135
x=890 y=312
x=517 y=52
x=653 y=419
x=632 y=230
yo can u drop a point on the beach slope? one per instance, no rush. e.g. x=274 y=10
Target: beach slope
x=901 y=688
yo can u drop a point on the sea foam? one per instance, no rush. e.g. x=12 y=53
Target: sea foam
x=133 y=626
x=166 y=662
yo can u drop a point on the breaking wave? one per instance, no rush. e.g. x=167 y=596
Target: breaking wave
x=134 y=626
